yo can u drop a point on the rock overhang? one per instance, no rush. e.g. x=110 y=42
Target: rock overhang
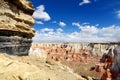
x=16 y=26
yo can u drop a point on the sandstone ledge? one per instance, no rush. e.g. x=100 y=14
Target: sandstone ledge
x=16 y=22
x=32 y=68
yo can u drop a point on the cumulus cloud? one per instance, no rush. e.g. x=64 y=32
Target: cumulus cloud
x=118 y=14
x=39 y=22
x=49 y=35
x=46 y=30
x=59 y=30
x=84 y=2
x=76 y=24
x=62 y=24
x=111 y=31
x=89 y=29
x=41 y=14
x=86 y=33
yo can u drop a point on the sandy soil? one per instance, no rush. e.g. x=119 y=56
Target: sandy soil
x=84 y=69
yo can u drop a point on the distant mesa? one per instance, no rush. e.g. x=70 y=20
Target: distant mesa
x=16 y=23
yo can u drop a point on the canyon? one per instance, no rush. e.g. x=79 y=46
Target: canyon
x=95 y=48
x=86 y=59
x=20 y=59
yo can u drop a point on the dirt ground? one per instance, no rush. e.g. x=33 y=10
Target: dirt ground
x=84 y=69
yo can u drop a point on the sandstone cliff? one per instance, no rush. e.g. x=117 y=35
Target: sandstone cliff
x=96 y=49
x=16 y=23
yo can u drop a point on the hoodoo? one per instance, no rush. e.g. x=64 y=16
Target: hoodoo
x=16 y=23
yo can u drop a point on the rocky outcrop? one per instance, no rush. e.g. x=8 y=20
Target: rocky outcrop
x=16 y=23
x=98 y=49
x=32 y=68
x=113 y=69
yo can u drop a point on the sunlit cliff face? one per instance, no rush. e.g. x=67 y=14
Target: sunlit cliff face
x=16 y=24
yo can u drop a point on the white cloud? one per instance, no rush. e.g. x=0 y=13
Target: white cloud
x=41 y=14
x=39 y=22
x=89 y=29
x=85 y=23
x=86 y=33
x=46 y=30
x=76 y=24
x=84 y=2
x=48 y=35
x=118 y=14
x=97 y=25
x=111 y=31
x=54 y=22
x=62 y=24
x=59 y=30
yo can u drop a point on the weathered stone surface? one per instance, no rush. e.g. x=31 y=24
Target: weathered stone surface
x=111 y=64
x=98 y=49
x=14 y=45
x=28 y=68
x=115 y=69
x=16 y=23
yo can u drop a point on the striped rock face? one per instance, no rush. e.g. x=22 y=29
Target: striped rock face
x=115 y=69
x=16 y=23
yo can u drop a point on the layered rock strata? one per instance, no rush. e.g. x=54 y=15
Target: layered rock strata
x=16 y=23
x=96 y=49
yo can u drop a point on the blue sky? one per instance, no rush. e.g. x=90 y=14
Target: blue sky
x=76 y=20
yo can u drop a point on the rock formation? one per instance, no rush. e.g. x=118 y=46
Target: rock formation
x=16 y=23
x=96 y=49
x=32 y=68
